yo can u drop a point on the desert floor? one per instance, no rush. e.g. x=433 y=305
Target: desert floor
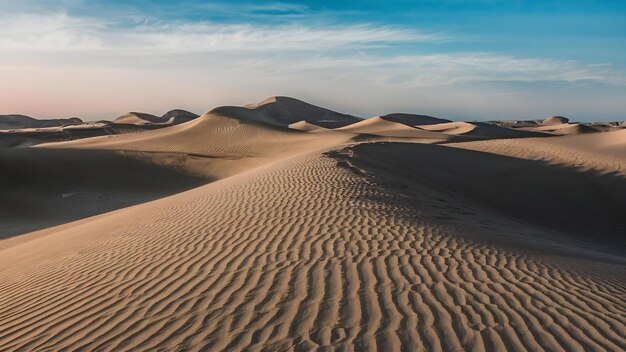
x=244 y=230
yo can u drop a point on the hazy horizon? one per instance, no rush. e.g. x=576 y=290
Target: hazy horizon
x=462 y=60
x=365 y=116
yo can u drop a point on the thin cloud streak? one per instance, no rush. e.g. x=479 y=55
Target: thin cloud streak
x=448 y=69
x=287 y=49
x=62 y=33
x=103 y=64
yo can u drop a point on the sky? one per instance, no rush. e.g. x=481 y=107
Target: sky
x=463 y=60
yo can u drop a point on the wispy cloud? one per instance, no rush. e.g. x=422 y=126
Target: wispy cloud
x=44 y=51
x=62 y=33
x=447 y=69
x=253 y=9
x=290 y=48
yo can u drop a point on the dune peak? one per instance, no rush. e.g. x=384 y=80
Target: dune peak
x=555 y=120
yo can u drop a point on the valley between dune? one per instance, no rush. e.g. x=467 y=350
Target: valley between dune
x=285 y=235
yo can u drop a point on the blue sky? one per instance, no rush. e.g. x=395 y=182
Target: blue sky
x=452 y=58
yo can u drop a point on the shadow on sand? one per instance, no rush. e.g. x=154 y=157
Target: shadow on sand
x=587 y=205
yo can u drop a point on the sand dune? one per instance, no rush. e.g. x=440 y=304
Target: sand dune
x=558 y=125
x=176 y=116
x=138 y=118
x=30 y=137
x=285 y=111
x=562 y=129
x=11 y=122
x=308 y=238
x=305 y=126
x=413 y=119
x=459 y=127
x=172 y=117
x=229 y=144
x=23 y=131
x=555 y=120
x=479 y=130
x=603 y=152
x=296 y=115
x=553 y=195
x=378 y=126
x=315 y=256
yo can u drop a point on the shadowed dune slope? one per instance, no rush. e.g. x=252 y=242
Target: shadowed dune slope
x=588 y=203
x=604 y=152
x=172 y=117
x=301 y=255
x=27 y=138
x=46 y=187
x=413 y=119
x=9 y=122
x=177 y=116
x=285 y=111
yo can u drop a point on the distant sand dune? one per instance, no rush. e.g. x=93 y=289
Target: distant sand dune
x=413 y=119
x=8 y=122
x=17 y=131
x=172 y=117
x=380 y=127
x=604 y=152
x=285 y=111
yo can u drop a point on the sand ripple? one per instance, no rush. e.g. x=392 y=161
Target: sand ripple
x=297 y=255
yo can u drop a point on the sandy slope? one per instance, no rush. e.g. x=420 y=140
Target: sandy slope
x=44 y=187
x=226 y=144
x=604 y=152
x=316 y=255
x=310 y=240
x=584 y=204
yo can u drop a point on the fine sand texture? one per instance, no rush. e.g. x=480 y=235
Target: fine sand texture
x=274 y=232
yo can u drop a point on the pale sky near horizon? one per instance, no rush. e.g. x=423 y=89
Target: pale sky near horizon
x=467 y=60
